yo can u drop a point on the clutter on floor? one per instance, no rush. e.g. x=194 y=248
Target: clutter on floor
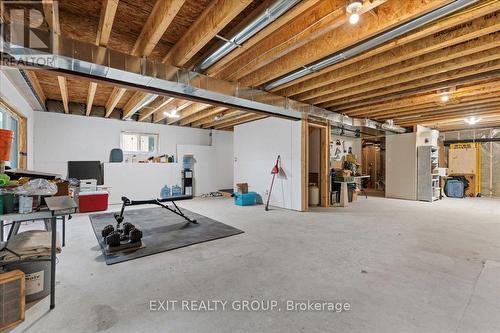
x=161 y=232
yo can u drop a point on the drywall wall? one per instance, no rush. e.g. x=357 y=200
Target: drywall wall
x=60 y=138
x=256 y=146
x=14 y=99
x=401 y=166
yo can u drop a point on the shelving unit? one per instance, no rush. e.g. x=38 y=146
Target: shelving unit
x=428 y=176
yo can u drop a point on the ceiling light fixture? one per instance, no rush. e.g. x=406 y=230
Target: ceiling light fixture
x=472 y=120
x=445 y=98
x=353 y=10
x=171 y=114
x=218 y=117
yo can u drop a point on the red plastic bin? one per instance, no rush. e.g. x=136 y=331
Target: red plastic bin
x=92 y=201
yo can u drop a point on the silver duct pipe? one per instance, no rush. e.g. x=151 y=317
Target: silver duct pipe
x=372 y=43
x=105 y=65
x=278 y=8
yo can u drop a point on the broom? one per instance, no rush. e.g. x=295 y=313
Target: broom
x=276 y=170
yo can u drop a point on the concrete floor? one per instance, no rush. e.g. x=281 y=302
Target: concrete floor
x=402 y=266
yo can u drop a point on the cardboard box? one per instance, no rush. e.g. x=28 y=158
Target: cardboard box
x=242 y=187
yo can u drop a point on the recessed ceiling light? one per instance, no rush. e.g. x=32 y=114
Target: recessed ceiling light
x=472 y=120
x=353 y=9
x=445 y=98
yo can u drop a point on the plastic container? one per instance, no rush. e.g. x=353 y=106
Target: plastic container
x=6 y=139
x=37 y=276
x=176 y=190
x=313 y=195
x=245 y=199
x=165 y=192
x=454 y=189
x=92 y=201
x=188 y=162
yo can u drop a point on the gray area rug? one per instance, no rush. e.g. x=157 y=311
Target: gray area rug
x=162 y=231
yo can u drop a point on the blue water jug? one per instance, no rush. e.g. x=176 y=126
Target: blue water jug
x=176 y=190
x=165 y=192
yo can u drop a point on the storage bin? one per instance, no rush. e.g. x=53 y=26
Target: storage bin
x=37 y=277
x=92 y=201
x=454 y=188
x=245 y=199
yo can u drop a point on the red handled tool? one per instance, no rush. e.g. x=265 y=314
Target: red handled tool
x=276 y=170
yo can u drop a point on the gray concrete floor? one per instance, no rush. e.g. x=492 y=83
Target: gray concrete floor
x=402 y=266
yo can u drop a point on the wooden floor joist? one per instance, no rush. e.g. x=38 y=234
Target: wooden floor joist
x=64 y=92
x=113 y=99
x=239 y=120
x=90 y=97
x=36 y=86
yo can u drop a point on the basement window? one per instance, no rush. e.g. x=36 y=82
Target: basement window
x=139 y=143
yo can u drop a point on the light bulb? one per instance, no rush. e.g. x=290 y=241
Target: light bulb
x=445 y=98
x=472 y=120
x=354 y=18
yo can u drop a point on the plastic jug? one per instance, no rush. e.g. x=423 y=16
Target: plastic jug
x=165 y=192
x=176 y=190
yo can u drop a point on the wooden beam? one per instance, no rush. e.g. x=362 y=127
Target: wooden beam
x=209 y=117
x=447 y=32
x=314 y=23
x=453 y=115
x=414 y=75
x=391 y=14
x=212 y=111
x=51 y=14
x=113 y=99
x=131 y=107
x=90 y=97
x=417 y=101
x=178 y=105
x=240 y=120
x=285 y=19
x=108 y=11
x=189 y=111
x=146 y=112
x=211 y=21
x=228 y=115
x=363 y=75
x=64 y=92
x=33 y=79
x=427 y=81
x=162 y=15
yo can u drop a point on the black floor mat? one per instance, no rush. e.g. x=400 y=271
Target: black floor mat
x=162 y=231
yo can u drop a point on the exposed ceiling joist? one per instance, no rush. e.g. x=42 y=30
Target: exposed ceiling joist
x=132 y=105
x=391 y=14
x=211 y=111
x=90 y=97
x=189 y=111
x=163 y=104
x=162 y=15
x=317 y=21
x=207 y=117
x=108 y=11
x=36 y=86
x=447 y=32
x=51 y=14
x=239 y=120
x=213 y=19
x=229 y=115
x=361 y=73
x=64 y=92
x=113 y=99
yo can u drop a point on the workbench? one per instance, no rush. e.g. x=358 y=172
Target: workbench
x=344 y=191
x=56 y=207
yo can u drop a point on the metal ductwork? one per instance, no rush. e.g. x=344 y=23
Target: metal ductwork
x=391 y=127
x=104 y=65
x=372 y=43
x=273 y=12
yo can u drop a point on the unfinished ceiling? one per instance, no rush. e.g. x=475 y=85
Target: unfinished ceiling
x=436 y=75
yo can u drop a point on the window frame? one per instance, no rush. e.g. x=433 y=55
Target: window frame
x=22 y=134
x=139 y=134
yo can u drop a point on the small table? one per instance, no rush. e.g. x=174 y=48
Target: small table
x=344 y=192
x=56 y=207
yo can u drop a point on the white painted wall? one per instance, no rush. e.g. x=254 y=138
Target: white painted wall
x=11 y=96
x=256 y=146
x=60 y=138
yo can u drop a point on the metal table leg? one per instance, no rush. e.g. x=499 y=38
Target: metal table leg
x=64 y=231
x=53 y=230
x=1 y=230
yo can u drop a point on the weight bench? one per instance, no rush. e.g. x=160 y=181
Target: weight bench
x=159 y=202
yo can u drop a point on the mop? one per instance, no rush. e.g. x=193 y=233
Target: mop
x=276 y=170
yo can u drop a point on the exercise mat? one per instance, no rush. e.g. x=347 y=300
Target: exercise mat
x=162 y=231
